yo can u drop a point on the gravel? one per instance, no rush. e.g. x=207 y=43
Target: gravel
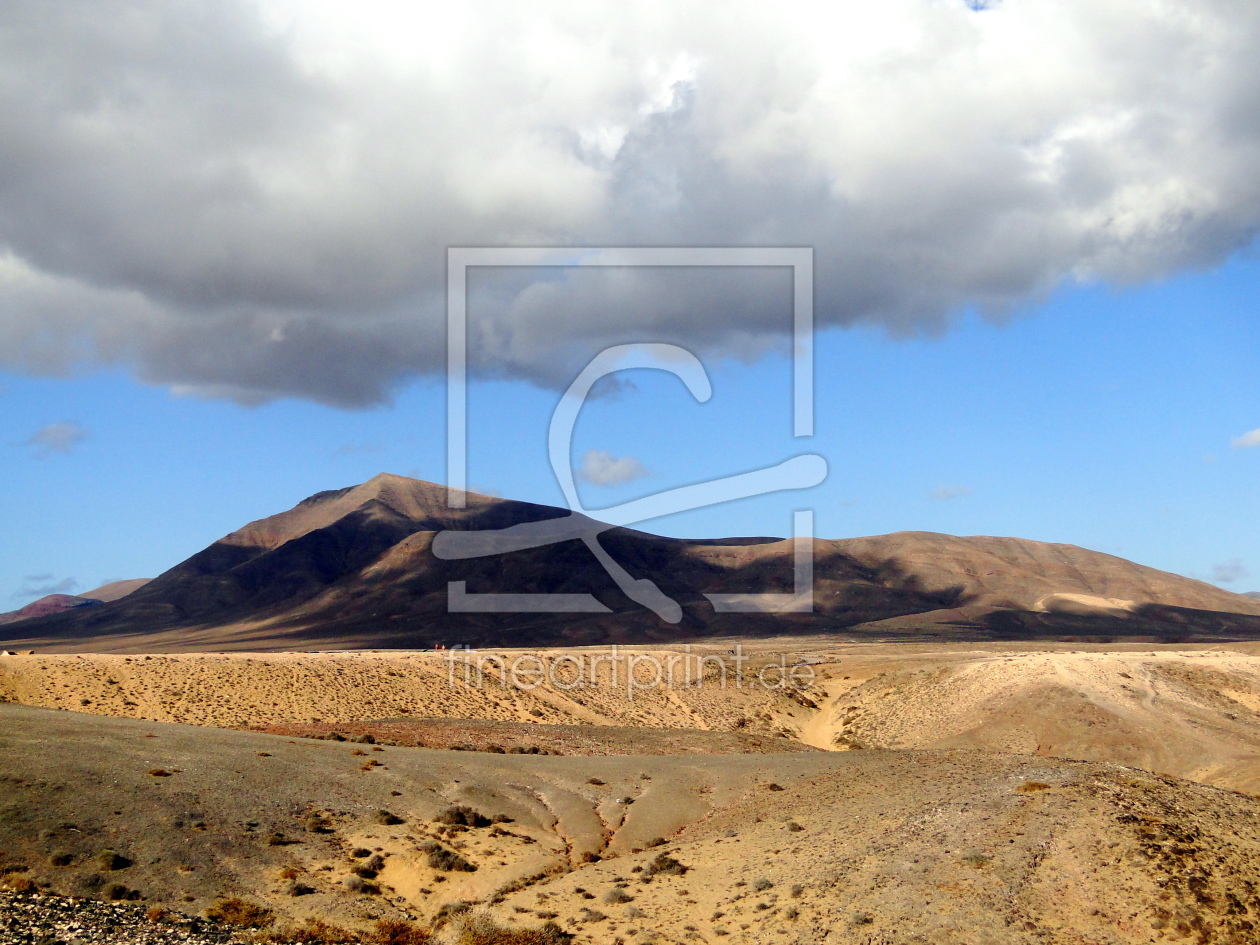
x=43 y=919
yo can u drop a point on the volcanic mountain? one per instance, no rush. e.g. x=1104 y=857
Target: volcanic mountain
x=355 y=568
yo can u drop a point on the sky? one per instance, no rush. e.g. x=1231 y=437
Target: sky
x=223 y=235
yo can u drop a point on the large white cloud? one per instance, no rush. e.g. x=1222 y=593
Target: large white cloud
x=253 y=198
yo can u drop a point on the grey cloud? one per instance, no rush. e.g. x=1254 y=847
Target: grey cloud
x=41 y=585
x=253 y=200
x=945 y=493
x=1229 y=571
x=56 y=438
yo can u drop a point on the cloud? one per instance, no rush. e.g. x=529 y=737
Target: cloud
x=945 y=493
x=252 y=199
x=41 y=585
x=56 y=438
x=601 y=468
x=1229 y=571
x=1247 y=440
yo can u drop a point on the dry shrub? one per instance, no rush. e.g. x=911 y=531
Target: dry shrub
x=618 y=895
x=481 y=929
x=664 y=865
x=1030 y=787
x=314 y=932
x=386 y=818
x=12 y=882
x=316 y=823
x=462 y=815
x=361 y=887
x=108 y=860
x=235 y=911
x=156 y=913
x=397 y=932
x=448 y=861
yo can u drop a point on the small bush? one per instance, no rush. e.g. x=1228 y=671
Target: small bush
x=376 y=862
x=18 y=884
x=314 y=932
x=482 y=930
x=462 y=815
x=298 y=889
x=160 y=772
x=1029 y=787
x=762 y=885
x=386 y=818
x=115 y=892
x=234 y=911
x=316 y=823
x=797 y=890
x=664 y=865
x=615 y=896
x=61 y=859
x=108 y=860
x=156 y=913
x=397 y=932
x=360 y=852
x=656 y=842
x=361 y=887
x=595 y=781
x=794 y=827
x=448 y=861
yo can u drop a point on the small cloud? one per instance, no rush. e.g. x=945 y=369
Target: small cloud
x=56 y=438
x=352 y=449
x=601 y=468
x=41 y=585
x=1229 y=571
x=612 y=388
x=1247 y=440
x=945 y=493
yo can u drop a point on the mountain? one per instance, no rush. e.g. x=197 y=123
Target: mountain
x=51 y=604
x=115 y=589
x=354 y=568
x=1252 y=594
x=59 y=603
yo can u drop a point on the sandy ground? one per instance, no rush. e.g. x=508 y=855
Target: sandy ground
x=854 y=847
x=1191 y=712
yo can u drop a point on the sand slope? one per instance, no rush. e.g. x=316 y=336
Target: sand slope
x=1188 y=712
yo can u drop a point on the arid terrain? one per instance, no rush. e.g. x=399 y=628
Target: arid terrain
x=289 y=738
x=892 y=793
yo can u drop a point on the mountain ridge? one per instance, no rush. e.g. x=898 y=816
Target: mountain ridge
x=354 y=567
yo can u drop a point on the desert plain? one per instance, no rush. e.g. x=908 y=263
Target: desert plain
x=876 y=793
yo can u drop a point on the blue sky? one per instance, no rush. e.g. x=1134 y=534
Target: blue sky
x=1100 y=418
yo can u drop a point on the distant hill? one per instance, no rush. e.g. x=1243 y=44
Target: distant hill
x=354 y=568
x=1252 y=594
x=45 y=606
